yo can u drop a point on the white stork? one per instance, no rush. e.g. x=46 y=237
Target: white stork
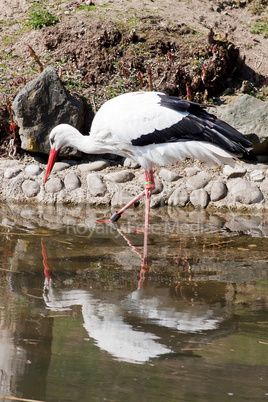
x=153 y=129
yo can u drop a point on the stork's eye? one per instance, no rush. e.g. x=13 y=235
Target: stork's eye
x=52 y=140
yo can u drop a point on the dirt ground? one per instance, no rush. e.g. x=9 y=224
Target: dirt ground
x=195 y=49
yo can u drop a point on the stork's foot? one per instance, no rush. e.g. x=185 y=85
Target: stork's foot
x=115 y=217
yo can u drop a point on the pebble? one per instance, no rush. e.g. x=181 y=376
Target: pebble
x=11 y=172
x=120 y=177
x=33 y=170
x=121 y=198
x=264 y=186
x=6 y=163
x=159 y=186
x=130 y=163
x=191 y=171
x=218 y=190
x=95 y=185
x=93 y=166
x=232 y=172
x=54 y=185
x=245 y=192
x=71 y=181
x=200 y=180
x=59 y=166
x=179 y=197
x=168 y=175
x=199 y=198
x=30 y=188
x=257 y=175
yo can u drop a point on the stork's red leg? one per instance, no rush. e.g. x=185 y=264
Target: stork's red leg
x=149 y=185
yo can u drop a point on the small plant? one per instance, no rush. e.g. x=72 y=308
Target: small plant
x=39 y=19
x=260 y=28
x=36 y=59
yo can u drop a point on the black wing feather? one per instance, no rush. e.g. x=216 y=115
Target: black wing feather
x=199 y=125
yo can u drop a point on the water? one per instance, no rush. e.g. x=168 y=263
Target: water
x=79 y=322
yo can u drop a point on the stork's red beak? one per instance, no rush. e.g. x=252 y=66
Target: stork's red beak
x=51 y=161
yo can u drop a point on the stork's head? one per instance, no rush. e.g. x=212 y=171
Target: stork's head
x=57 y=141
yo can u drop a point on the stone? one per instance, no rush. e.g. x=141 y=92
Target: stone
x=54 y=185
x=93 y=166
x=71 y=181
x=231 y=172
x=243 y=191
x=191 y=171
x=130 y=163
x=218 y=190
x=257 y=175
x=159 y=186
x=95 y=185
x=157 y=201
x=168 y=175
x=12 y=172
x=200 y=180
x=30 y=188
x=60 y=166
x=120 y=177
x=264 y=187
x=121 y=198
x=178 y=198
x=199 y=198
x=41 y=105
x=33 y=170
x=249 y=115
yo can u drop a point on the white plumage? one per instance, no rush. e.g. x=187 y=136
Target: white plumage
x=153 y=129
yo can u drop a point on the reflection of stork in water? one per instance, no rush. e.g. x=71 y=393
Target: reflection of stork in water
x=119 y=326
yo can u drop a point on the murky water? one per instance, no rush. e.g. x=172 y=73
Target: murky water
x=79 y=322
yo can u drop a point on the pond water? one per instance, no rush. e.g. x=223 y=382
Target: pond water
x=80 y=320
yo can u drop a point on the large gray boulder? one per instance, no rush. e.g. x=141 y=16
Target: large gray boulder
x=250 y=116
x=41 y=105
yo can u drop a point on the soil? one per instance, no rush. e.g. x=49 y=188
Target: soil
x=194 y=49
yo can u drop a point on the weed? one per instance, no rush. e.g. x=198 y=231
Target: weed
x=39 y=19
x=87 y=7
x=260 y=28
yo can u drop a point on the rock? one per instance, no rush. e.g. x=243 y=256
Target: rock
x=257 y=175
x=199 y=198
x=218 y=190
x=33 y=170
x=12 y=172
x=157 y=201
x=168 y=175
x=42 y=104
x=130 y=163
x=248 y=114
x=30 y=188
x=71 y=181
x=200 y=180
x=6 y=163
x=59 y=166
x=264 y=187
x=95 y=185
x=191 y=171
x=93 y=166
x=178 y=198
x=243 y=191
x=54 y=185
x=121 y=198
x=120 y=177
x=159 y=186
x=232 y=172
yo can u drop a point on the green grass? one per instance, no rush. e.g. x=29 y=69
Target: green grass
x=39 y=19
x=260 y=28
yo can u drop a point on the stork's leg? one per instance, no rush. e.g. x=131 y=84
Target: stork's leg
x=149 y=184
